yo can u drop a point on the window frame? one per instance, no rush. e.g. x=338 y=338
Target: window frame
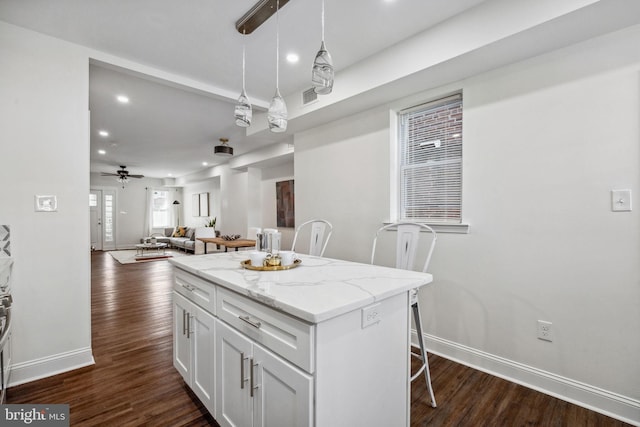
x=154 y=210
x=452 y=226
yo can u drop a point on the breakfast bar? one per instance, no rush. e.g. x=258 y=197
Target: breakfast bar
x=327 y=340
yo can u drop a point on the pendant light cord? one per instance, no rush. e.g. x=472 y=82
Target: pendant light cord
x=277 y=44
x=323 y=20
x=243 y=63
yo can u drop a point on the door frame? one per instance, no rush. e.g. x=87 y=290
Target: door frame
x=105 y=191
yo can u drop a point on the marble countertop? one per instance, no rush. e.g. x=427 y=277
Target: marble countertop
x=317 y=290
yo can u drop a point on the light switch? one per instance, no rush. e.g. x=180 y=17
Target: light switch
x=621 y=200
x=46 y=203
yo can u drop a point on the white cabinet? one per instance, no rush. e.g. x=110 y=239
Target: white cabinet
x=253 y=363
x=194 y=348
x=256 y=387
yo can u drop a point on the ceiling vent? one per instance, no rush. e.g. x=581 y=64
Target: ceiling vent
x=309 y=96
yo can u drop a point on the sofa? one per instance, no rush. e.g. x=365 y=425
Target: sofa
x=185 y=238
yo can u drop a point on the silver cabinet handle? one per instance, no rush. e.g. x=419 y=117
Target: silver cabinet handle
x=184 y=321
x=251 y=375
x=242 y=380
x=188 y=326
x=252 y=382
x=248 y=320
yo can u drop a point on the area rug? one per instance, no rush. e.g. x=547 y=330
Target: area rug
x=129 y=256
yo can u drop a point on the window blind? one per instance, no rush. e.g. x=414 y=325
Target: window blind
x=430 y=143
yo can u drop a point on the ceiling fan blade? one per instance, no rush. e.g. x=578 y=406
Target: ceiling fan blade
x=109 y=174
x=135 y=176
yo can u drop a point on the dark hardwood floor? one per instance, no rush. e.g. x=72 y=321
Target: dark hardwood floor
x=133 y=382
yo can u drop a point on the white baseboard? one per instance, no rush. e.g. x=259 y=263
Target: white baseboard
x=52 y=365
x=596 y=399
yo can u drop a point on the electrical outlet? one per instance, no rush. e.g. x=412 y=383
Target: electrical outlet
x=371 y=315
x=545 y=332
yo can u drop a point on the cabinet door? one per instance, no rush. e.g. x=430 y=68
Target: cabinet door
x=202 y=325
x=181 y=344
x=283 y=396
x=233 y=398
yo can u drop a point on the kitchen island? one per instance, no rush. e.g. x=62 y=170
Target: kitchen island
x=322 y=344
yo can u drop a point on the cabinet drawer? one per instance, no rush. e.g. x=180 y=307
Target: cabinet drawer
x=195 y=289
x=287 y=336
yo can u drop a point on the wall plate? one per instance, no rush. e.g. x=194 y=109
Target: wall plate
x=621 y=200
x=46 y=203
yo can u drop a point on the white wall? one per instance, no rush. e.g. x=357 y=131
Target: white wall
x=45 y=151
x=544 y=142
x=268 y=204
x=211 y=186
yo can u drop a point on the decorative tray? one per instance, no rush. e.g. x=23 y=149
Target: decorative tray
x=247 y=264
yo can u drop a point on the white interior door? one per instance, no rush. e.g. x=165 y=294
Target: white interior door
x=95 y=215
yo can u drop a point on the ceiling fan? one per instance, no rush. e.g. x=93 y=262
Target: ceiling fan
x=122 y=174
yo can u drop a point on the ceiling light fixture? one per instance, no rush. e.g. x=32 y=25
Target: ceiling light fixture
x=102 y=152
x=123 y=99
x=257 y=15
x=103 y=133
x=322 y=73
x=243 y=112
x=223 y=149
x=277 y=114
x=293 y=58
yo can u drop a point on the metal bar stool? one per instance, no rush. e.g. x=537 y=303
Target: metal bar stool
x=408 y=235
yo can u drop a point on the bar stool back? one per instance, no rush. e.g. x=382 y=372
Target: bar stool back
x=317 y=240
x=407 y=242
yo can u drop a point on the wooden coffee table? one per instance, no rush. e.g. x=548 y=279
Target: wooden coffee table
x=238 y=243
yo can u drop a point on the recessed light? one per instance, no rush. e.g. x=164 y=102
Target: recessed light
x=103 y=133
x=293 y=58
x=102 y=152
x=123 y=99
x=169 y=174
x=204 y=163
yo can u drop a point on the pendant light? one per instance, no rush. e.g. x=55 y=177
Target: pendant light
x=322 y=72
x=223 y=149
x=277 y=115
x=243 y=112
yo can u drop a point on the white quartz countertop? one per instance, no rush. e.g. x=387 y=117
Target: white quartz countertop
x=317 y=290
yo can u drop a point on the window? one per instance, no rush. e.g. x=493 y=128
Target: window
x=160 y=209
x=430 y=161
x=108 y=218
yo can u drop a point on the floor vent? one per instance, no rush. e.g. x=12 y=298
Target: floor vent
x=308 y=96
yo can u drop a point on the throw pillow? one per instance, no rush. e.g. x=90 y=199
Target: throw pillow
x=180 y=232
x=190 y=234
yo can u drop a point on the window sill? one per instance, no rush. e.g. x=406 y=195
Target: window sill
x=446 y=228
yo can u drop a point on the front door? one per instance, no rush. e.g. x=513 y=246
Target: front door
x=95 y=214
x=102 y=205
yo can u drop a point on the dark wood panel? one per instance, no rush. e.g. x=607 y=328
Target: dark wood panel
x=133 y=382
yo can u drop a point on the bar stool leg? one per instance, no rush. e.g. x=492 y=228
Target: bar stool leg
x=425 y=361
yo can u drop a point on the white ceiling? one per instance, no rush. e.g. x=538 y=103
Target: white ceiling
x=166 y=129
x=171 y=128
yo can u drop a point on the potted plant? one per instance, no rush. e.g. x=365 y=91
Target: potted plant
x=211 y=222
